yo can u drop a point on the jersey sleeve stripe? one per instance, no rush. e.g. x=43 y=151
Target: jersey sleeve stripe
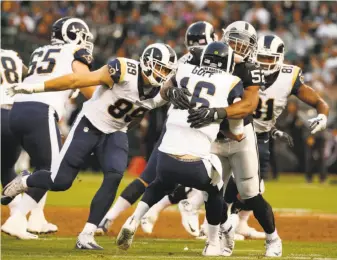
x=295 y=75
x=144 y=183
x=123 y=69
x=235 y=82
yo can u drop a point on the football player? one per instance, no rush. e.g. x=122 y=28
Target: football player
x=33 y=118
x=241 y=158
x=281 y=81
x=128 y=88
x=197 y=36
x=12 y=70
x=184 y=154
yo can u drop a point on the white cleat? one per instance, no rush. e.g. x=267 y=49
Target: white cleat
x=227 y=242
x=273 y=248
x=16 y=226
x=86 y=241
x=189 y=217
x=249 y=232
x=15 y=187
x=148 y=221
x=103 y=227
x=125 y=236
x=211 y=249
x=38 y=224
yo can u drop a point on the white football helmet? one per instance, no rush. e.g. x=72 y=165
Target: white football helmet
x=72 y=30
x=270 y=53
x=158 y=63
x=242 y=37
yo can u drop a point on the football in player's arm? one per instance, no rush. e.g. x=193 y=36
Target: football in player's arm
x=107 y=75
x=312 y=98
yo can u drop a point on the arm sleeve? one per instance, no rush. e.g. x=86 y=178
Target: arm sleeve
x=117 y=68
x=84 y=56
x=298 y=81
x=235 y=92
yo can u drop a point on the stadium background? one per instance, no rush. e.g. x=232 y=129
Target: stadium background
x=303 y=212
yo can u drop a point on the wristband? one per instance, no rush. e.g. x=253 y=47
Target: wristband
x=38 y=87
x=222 y=113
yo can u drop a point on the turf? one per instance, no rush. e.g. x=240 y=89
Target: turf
x=289 y=192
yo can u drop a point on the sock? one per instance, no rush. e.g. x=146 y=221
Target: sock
x=141 y=210
x=213 y=234
x=244 y=216
x=160 y=205
x=197 y=200
x=40 y=206
x=272 y=236
x=89 y=228
x=120 y=205
x=27 y=203
x=231 y=223
x=24 y=181
x=14 y=204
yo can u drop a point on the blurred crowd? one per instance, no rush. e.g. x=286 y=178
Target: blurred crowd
x=124 y=28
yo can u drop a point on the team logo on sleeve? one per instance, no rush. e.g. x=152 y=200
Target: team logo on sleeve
x=88 y=58
x=112 y=71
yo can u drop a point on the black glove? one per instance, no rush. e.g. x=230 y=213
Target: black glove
x=204 y=116
x=178 y=97
x=283 y=136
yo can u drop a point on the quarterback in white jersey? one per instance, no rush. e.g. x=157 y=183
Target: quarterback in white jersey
x=128 y=89
x=33 y=118
x=184 y=154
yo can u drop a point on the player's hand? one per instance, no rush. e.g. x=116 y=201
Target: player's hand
x=19 y=89
x=283 y=136
x=201 y=117
x=318 y=123
x=178 y=97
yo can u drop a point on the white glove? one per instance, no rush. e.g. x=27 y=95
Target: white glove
x=318 y=123
x=25 y=88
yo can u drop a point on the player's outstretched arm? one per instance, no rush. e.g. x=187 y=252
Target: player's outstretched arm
x=312 y=98
x=246 y=106
x=69 y=81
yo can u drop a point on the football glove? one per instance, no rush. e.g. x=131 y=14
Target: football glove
x=23 y=88
x=283 y=136
x=178 y=97
x=318 y=123
x=204 y=116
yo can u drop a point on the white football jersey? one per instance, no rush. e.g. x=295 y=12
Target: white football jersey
x=273 y=98
x=10 y=73
x=208 y=90
x=111 y=110
x=48 y=62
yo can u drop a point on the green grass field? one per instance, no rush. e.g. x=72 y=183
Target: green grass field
x=290 y=192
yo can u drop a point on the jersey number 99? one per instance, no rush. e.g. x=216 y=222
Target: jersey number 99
x=122 y=107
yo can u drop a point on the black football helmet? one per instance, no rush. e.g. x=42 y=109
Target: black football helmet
x=72 y=30
x=199 y=34
x=218 y=57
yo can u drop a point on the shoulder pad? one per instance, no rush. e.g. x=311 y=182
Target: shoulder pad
x=83 y=56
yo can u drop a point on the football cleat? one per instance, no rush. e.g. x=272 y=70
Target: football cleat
x=37 y=224
x=103 y=227
x=227 y=242
x=189 y=217
x=16 y=226
x=211 y=249
x=273 y=247
x=15 y=187
x=87 y=241
x=148 y=221
x=125 y=236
